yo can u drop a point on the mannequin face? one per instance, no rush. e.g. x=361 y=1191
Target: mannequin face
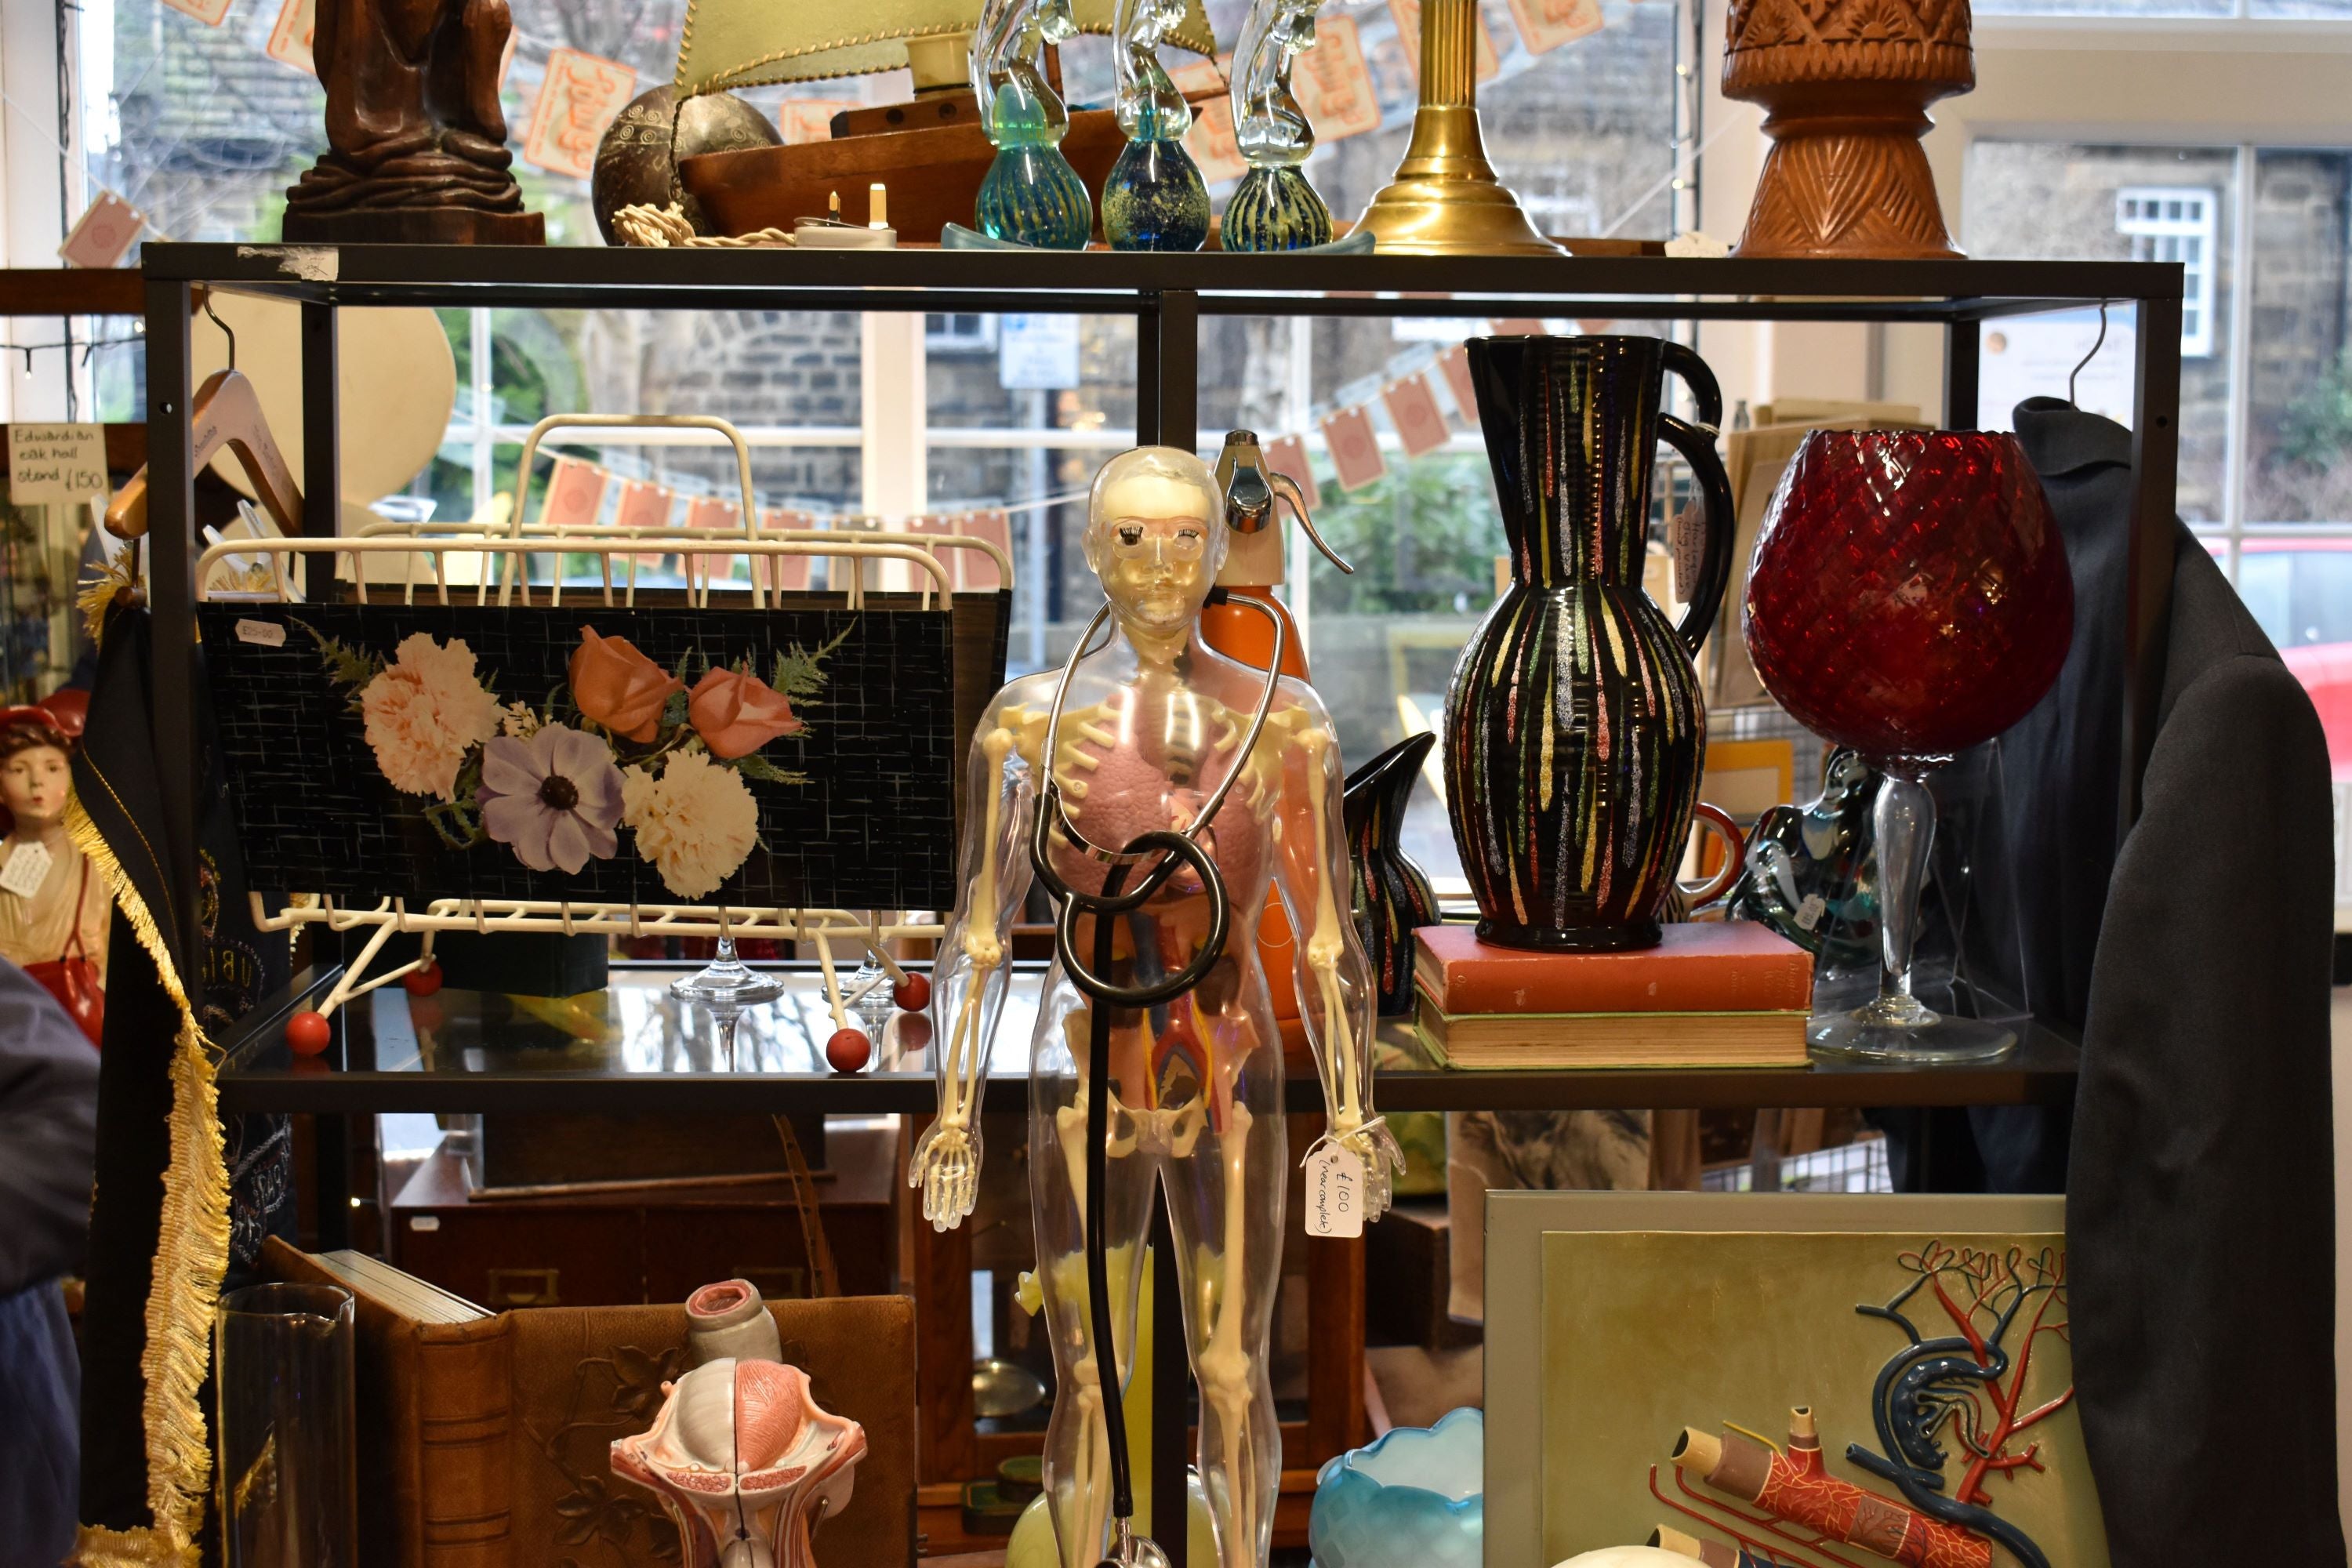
x=1156 y=544
x=33 y=784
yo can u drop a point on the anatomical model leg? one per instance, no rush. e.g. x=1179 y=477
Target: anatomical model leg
x=1225 y=1198
x=1077 y=1444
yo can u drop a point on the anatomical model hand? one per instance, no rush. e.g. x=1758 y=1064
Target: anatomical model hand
x=1153 y=726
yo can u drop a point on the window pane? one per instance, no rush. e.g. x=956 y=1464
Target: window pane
x=2299 y=377
x=2338 y=8
x=2057 y=201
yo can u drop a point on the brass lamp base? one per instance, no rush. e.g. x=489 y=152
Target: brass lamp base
x=1445 y=199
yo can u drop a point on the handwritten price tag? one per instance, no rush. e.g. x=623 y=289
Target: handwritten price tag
x=48 y=464
x=579 y=97
x=1335 y=1194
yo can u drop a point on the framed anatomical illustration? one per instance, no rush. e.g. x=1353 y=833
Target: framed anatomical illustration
x=1806 y=1382
x=794 y=759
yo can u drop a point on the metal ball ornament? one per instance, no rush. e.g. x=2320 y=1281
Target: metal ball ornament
x=637 y=162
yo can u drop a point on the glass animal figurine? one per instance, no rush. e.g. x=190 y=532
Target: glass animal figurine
x=1155 y=198
x=1031 y=194
x=1273 y=207
x=1151 y=733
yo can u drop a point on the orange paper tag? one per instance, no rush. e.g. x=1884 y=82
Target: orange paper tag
x=803 y=119
x=1355 y=450
x=1456 y=367
x=103 y=232
x=642 y=504
x=579 y=97
x=1333 y=84
x=211 y=13
x=1211 y=142
x=1412 y=409
x=1408 y=25
x=1288 y=456
x=289 y=40
x=1545 y=25
x=575 y=493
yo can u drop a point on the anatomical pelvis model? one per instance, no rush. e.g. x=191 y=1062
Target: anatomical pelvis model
x=1157 y=763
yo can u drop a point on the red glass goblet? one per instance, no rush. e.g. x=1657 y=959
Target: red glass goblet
x=1909 y=597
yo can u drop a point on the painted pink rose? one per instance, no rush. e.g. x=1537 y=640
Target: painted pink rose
x=618 y=687
x=737 y=714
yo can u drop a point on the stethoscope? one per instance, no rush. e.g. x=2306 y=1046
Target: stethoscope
x=1175 y=848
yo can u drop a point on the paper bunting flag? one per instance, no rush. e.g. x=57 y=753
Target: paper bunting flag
x=976 y=569
x=211 y=13
x=575 y=494
x=578 y=98
x=289 y=39
x=103 y=232
x=1288 y=456
x=1545 y=25
x=1408 y=25
x=716 y=513
x=1355 y=450
x=1333 y=84
x=806 y=120
x=1518 y=327
x=787 y=574
x=1456 y=367
x=1412 y=409
x=642 y=504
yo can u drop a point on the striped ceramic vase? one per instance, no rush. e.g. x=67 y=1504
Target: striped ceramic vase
x=1574 y=728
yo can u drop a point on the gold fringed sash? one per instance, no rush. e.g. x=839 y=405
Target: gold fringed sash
x=190 y=1257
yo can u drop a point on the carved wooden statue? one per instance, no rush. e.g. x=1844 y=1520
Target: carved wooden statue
x=416 y=140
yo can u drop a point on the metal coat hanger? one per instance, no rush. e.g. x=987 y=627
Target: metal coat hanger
x=226 y=412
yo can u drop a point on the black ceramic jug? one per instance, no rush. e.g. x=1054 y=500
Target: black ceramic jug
x=1575 y=732
x=1391 y=896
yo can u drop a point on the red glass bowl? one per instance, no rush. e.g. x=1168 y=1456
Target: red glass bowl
x=1909 y=594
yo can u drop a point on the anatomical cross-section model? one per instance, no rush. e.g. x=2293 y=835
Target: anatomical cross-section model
x=743 y=1460
x=1151 y=735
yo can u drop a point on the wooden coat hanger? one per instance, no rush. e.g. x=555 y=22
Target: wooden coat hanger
x=227 y=413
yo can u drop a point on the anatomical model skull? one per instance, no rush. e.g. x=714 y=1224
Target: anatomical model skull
x=744 y=1460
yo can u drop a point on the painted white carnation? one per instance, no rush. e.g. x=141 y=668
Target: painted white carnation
x=697 y=822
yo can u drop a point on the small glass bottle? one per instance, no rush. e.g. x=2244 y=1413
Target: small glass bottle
x=1274 y=207
x=1031 y=194
x=1155 y=198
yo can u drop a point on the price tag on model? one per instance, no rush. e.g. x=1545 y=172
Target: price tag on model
x=1335 y=1192
x=28 y=868
x=1686 y=541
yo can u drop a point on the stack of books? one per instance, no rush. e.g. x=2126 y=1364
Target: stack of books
x=1729 y=993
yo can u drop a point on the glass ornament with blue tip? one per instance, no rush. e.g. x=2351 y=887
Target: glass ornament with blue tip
x=1031 y=194
x=1155 y=198
x=1274 y=207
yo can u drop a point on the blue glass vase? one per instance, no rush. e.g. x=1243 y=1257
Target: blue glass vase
x=1414 y=1499
x=1031 y=194
x=1155 y=198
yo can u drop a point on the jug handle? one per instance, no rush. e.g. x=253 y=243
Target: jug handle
x=1698 y=448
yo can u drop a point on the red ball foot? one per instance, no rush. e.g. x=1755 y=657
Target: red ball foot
x=422 y=982
x=850 y=1050
x=912 y=995
x=307 y=1033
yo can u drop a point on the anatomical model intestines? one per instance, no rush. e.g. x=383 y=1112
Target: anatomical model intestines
x=1151 y=726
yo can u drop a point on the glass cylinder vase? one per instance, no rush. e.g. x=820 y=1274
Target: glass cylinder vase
x=283 y=1397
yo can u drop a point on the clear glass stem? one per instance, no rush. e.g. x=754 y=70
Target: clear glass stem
x=1903 y=817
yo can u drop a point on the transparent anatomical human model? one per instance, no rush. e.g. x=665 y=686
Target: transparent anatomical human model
x=1031 y=194
x=1151 y=726
x=1273 y=207
x=1154 y=198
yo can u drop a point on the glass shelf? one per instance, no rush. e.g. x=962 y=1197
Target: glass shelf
x=632 y=1048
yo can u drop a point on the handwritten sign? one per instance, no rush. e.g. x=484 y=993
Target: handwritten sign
x=290 y=39
x=211 y=13
x=1545 y=25
x=1412 y=409
x=48 y=464
x=577 y=101
x=1333 y=84
x=1408 y=26
x=1335 y=1192
x=104 y=231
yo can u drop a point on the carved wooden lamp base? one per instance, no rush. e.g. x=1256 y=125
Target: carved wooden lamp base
x=1844 y=186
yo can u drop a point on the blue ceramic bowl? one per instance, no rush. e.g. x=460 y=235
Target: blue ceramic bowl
x=1414 y=1499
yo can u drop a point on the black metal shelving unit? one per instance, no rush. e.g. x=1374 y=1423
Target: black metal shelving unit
x=1167 y=295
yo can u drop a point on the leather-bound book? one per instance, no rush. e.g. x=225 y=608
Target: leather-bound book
x=1702 y=966
x=486 y=1440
